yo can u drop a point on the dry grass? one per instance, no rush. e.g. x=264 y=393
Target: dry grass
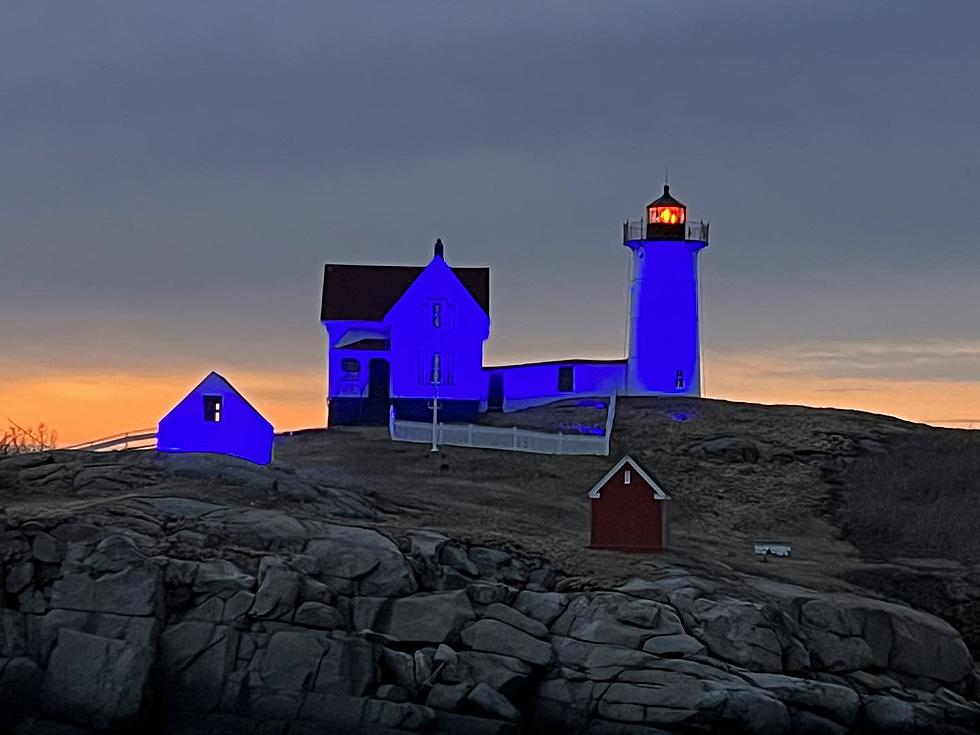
x=923 y=500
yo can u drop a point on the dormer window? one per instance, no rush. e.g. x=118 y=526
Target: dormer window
x=212 y=409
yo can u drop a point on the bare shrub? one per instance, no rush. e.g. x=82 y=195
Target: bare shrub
x=17 y=439
x=922 y=498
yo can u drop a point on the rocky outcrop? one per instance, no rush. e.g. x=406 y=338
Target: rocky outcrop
x=214 y=618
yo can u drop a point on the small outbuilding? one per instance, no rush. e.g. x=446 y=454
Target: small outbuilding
x=214 y=417
x=629 y=512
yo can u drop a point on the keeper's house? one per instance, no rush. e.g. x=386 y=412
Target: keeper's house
x=214 y=417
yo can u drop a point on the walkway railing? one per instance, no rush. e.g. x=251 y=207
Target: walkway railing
x=495 y=437
x=139 y=439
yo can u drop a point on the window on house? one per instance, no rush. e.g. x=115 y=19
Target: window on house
x=679 y=380
x=437 y=315
x=436 y=368
x=212 y=409
x=565 y=379
x=627 y=477
x=436 y=371
x=350 y=365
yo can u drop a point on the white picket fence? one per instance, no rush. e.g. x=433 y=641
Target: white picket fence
x=495 y=437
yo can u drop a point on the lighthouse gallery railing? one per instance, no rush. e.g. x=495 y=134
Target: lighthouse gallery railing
x=637 y=230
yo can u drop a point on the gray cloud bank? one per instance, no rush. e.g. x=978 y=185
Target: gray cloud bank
x=173 y=175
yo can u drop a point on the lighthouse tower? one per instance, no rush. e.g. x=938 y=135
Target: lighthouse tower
x=664 y=332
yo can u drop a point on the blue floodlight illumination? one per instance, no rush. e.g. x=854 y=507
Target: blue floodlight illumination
x=406 y=337
x=214 y=417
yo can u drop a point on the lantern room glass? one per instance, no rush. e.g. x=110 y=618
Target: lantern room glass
x=666 y=215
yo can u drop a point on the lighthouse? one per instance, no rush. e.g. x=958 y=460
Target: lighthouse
x=664 y=328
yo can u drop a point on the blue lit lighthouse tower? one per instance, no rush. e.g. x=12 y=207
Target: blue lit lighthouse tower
x=664 y=339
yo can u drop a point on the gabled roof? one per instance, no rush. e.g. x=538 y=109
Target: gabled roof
x=230 y=387
x=658 y=492
x=367 y=292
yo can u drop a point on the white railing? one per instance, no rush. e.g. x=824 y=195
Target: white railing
x=138 y=439
x=495 y=437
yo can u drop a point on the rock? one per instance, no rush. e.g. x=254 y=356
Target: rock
x=486 y=593
x=401 y=666
x=493 y=703
x=444 y=655
x=429 y=617
x=292 y=660
x=115 y=553
x=392 y=692
x=447 y=696
x=132 y=591
x=366 y=556
x=318 y=615
x=427 y=544
x=19 y=576
x=95 y=681
x=458 y=724
x=237 y=606
x=754 y=711
x=278 y=590
x=47 y=549
x=739 y=632
x=211 y=610
x=593 y=617
x=13 y=633
x=136 y=631
x=888 y=715
x=348 y=667
x=456 y=558
x=654 y=616
x=343 y=713
x=97 y=480
x=501 y=612
x=504 y=673
x=379 y=714
x=196 y=658
x=544 y=607
x=220 y=577
x=679 y=644
x=831 y=701
x=20 y=679
x=493 y=636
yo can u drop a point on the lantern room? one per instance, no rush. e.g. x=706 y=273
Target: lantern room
x=666 y=218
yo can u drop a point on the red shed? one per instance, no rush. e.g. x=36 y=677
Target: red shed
x=628 y=510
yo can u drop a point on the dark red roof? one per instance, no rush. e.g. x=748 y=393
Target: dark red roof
x=367 y=292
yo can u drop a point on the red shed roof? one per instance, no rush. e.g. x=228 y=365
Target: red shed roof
x=658 y=492
x=367 y=292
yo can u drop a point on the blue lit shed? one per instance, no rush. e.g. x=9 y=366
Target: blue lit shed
x=214 y=417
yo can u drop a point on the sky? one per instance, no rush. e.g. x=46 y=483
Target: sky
x=173 y=176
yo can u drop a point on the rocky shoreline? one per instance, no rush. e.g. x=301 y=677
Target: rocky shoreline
x=162 y=613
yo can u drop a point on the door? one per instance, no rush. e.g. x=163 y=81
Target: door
x=376 y=405
x=495 y=396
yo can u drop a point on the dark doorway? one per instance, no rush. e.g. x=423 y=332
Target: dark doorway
x=376 y=405
x=495 y=396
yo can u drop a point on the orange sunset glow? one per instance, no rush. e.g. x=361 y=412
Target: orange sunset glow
x=86 y=405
